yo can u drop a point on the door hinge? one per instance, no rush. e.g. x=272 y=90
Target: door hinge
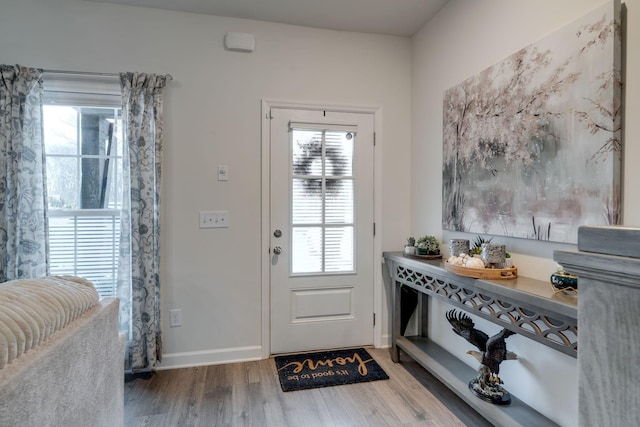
x=374 y=229
x=374 y=319
x=374 y=139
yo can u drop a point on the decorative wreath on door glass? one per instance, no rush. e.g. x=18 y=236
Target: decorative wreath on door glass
x=311 y=150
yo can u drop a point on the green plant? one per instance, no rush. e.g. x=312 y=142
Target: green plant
x=476 y=248
x=428 y=243
x=507 y=255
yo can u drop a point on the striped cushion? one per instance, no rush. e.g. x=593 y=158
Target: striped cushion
x=31 y=310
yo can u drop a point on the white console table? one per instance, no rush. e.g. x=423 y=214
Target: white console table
x=526 y=306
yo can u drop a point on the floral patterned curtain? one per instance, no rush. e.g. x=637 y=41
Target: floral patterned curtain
x=138 y=270
x=23 y=189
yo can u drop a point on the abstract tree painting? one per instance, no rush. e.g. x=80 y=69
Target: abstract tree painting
x=532 y=145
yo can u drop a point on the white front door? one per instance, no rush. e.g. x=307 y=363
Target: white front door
x=321 y=229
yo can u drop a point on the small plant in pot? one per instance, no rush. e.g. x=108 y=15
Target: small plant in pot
x=409 y=248
x=427 y=245
x=508 y=261
x=476 y=247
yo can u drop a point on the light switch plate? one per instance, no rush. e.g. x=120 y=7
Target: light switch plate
x=214 y=219
x=223 y=174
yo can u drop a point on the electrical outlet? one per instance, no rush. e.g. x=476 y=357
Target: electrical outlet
x=175 y=318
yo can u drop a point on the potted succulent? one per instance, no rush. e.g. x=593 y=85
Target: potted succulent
x=476 y=247
x=508 y=261
x=427 y=245
x=410 y=246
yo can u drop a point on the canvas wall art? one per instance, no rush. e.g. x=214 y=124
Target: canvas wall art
x=532 y=145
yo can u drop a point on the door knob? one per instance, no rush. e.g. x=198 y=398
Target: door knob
x=277 y=233
x=277 y=250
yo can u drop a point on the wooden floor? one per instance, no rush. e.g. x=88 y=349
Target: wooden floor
x=249 y=394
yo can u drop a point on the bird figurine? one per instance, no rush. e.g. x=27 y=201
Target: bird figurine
x=493 y=351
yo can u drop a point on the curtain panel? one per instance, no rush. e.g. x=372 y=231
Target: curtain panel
x=23 y=185
x=139 y=262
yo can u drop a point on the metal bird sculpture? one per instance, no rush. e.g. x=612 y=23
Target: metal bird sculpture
x=493 y=351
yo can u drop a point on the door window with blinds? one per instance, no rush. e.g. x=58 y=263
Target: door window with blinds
x=83 y=136
x=322 y=199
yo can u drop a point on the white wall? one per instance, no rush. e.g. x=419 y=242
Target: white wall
x=463 y=39
x=213 y=117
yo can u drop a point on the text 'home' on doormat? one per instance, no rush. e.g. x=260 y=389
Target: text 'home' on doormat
x=327 y=368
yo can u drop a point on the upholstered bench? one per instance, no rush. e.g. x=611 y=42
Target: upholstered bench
x=61 y=356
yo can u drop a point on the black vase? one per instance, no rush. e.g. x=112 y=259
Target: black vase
x=408 y=304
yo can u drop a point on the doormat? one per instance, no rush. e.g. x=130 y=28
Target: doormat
x=327 y=368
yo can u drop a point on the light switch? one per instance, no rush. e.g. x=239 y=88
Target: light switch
x=214 y=219
x=223 y=173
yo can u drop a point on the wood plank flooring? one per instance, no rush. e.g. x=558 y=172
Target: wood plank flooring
x=249 y=394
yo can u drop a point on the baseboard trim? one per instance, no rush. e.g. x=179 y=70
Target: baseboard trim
x=385 y=341
x=209 y=357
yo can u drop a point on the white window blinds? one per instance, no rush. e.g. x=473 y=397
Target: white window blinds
x=322 y=198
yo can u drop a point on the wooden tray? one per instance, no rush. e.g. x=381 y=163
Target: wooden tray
x=483 y=273
x=423 y=256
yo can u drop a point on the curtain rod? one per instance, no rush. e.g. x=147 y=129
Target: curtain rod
x=91 y=73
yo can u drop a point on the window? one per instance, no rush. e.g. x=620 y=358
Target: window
x=322 y=208
x=83 y=137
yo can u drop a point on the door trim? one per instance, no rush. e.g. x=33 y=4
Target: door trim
x=267 y=105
